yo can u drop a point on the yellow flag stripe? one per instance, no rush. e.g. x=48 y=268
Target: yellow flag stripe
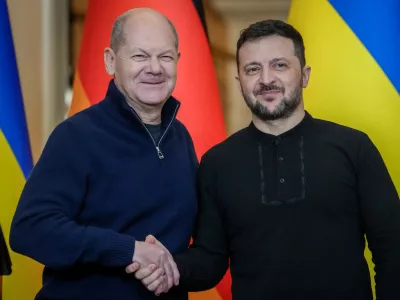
x=25 y=281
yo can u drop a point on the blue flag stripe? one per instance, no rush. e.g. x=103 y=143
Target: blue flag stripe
x=12 y=115
x=377 y=26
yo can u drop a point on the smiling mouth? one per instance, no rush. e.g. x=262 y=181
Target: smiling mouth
x=269 y=92
x=153 y=83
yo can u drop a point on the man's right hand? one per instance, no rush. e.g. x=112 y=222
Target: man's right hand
x=147 y=254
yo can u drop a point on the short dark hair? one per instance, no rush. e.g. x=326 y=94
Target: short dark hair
x=267 y=28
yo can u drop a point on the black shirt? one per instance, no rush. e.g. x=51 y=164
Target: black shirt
x=290 y=213
x=155 y=131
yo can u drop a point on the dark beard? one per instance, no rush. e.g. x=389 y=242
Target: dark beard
x=285 y=108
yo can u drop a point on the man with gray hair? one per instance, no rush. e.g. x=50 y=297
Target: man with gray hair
x=113 y=173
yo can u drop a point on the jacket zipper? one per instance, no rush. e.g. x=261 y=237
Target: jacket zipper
x=159 y=153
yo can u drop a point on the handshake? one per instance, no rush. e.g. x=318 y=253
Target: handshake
x=154 y=266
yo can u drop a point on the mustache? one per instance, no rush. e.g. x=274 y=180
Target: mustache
x=269 y=87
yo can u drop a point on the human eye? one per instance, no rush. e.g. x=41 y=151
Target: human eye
x=252 y=70
x=167 y=58
x=280 y=65
x=138 y=57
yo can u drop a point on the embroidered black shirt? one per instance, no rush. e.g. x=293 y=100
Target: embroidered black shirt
x=290 y=213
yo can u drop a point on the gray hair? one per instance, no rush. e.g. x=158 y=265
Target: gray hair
x=118 y=35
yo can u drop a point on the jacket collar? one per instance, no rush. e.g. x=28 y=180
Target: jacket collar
x=115 y=104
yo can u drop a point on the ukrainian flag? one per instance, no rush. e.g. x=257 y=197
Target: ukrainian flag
x=15 y=162
x=353 y=48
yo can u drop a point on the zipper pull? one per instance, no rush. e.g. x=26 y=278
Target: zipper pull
x=160 y=155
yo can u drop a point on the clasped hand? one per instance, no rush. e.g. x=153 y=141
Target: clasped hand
x=154 y=266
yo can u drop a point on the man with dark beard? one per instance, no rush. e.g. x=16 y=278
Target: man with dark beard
x=289 y=199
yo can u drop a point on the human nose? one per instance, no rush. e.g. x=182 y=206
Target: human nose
x=154 y=65
x=267 y=76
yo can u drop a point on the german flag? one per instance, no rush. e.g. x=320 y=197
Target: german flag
x=196 y=87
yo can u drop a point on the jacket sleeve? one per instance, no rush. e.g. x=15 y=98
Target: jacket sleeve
x=380 y=207
x=45 y=225
x=206 y=261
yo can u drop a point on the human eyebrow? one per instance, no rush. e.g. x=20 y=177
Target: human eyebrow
x=278 y=59
x=252 y=63
x=140 y=50
x=171 y=52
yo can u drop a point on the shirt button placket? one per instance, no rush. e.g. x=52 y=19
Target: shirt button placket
x=280 y=168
